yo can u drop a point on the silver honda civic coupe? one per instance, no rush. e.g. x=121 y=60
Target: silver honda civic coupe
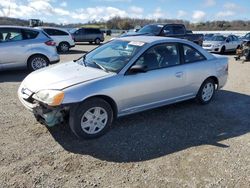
x=124 y=76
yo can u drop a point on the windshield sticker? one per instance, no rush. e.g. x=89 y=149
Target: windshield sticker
x=134 y=43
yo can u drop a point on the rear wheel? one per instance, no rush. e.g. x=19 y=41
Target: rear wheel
x=206 y=91
x=36 y=62
x=63 y=47
x=91 y=119
x=97 y=41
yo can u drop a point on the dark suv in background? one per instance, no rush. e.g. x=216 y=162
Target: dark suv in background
x=88 y=35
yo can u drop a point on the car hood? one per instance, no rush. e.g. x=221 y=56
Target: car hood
x=61 y=76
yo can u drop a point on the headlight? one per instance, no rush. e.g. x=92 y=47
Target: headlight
x=50 y=97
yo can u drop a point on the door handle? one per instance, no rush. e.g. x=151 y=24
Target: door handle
x=179 y=74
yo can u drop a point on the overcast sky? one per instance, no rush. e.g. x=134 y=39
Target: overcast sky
x=74 y=11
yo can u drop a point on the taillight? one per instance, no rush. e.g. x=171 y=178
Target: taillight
x=50 y=43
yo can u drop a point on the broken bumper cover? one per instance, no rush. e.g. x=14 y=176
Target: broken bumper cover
x=49 y=117
x=44 y=114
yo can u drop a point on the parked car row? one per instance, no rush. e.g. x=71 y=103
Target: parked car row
x=35 y=48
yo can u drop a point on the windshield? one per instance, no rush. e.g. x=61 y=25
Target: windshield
x=112 y=56
x=155 y=29
x=218 y=38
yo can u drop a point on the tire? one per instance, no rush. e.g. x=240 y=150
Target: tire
x=206 y=92
x=223 y=50
x=36 y=62
x=97 y=41
x=63 y=47
x=91 y=119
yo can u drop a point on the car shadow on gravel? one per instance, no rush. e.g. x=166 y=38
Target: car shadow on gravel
x=159 y=132
x=13 y=75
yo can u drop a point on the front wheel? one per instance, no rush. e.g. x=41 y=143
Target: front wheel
x=206 y=92
x=91 y=119
x=223 y=50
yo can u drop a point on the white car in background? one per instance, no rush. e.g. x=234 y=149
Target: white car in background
x=221 y=43
x=63 y=38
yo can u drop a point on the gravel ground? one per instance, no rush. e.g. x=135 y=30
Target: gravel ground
x=181 y=145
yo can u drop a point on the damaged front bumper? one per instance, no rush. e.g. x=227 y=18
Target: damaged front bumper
x=44 y=114
x=50 y=116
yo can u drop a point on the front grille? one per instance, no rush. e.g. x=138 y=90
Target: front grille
x=207 y=45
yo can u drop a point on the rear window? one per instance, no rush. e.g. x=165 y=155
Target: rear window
x=30 y=34
x=55 y=32
x=93 y=31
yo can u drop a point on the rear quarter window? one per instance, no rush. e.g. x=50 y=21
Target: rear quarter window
x=29 y=34
x=55 y=32
x=192 y=55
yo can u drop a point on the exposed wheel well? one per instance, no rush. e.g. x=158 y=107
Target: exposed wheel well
x=108 y=100
x=216 y=81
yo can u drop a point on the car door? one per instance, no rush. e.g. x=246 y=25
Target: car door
x=12 y=48
x=236 y=42
x=196 y=67
x=229 y=43
x=79 y=35
x=89 y=35
x=163 y=83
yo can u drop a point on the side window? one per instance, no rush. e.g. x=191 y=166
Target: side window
x=178 y=30
x=235 y=38
x=30 y=34
x=87 y=31
x=160 y=56
x=192 y=55
x=50 y=32
x=10 y=34
x=229 y=38
x=60 y=33
x=97 y=31
x=168 y=30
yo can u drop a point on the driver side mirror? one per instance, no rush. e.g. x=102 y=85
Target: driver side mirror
x=227 y=40
x=138 y=69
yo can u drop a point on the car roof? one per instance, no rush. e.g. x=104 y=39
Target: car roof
x=18 y=27
x=150 y=39
x=58 y=28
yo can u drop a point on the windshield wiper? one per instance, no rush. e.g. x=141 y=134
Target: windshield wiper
x=83 y=60
x=100 y=66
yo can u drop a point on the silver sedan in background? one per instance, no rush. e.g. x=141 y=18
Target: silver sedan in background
x=23 y=47
x=124 y=76
x=221 y=44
